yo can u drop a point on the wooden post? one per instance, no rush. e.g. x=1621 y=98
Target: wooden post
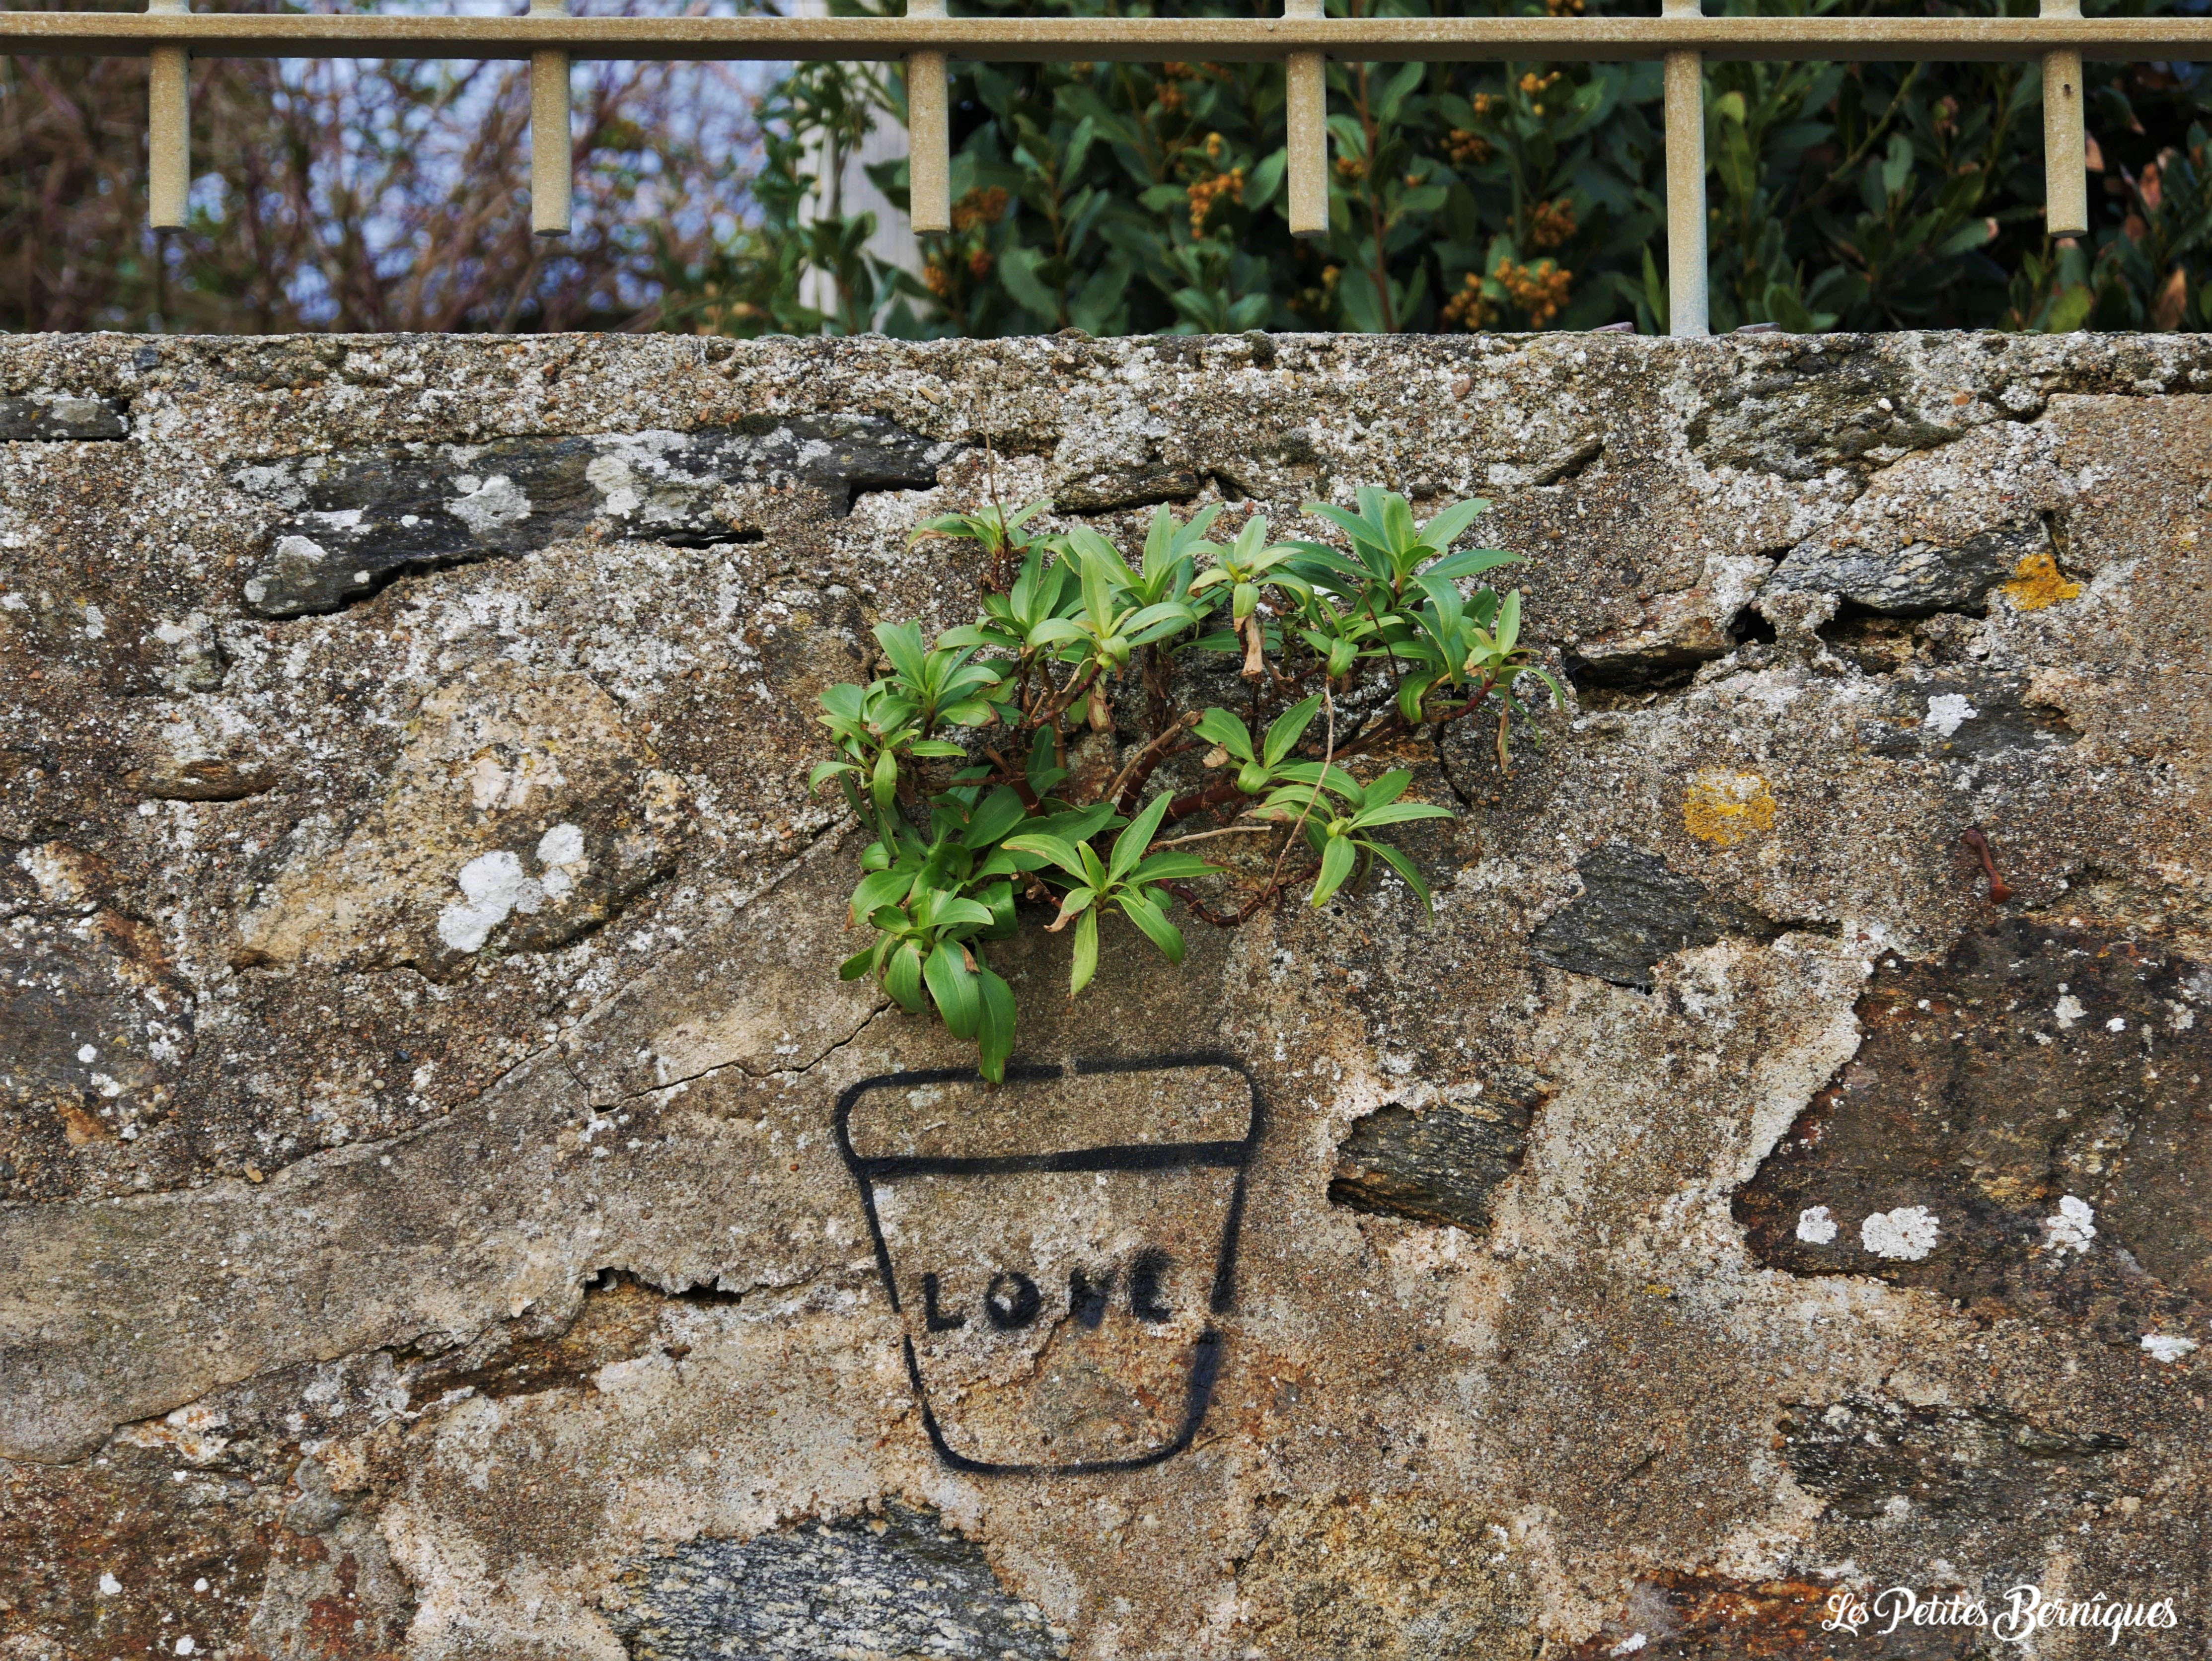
x=1306 y=114
x=2066 y=140
x=1687 y=313
x=168 y=130
x=929 y=134
x=552 y=163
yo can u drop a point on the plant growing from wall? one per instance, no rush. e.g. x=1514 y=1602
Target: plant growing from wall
x=985 y=761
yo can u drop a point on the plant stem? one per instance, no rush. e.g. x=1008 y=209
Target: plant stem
x=1122 y=792
x=1328 y=755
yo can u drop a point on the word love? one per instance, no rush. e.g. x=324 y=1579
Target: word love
x=1012 y=1301
x=2027 y=1610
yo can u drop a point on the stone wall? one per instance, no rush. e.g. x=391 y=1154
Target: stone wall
x=448 y=1212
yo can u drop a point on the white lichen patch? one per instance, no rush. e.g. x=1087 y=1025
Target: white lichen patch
x=493 y=886
x=2073 y=1228
x=1906 y=1234
x=2167 y=1346
x=1947 y=711
x=1816 y=1225
x=486 y=506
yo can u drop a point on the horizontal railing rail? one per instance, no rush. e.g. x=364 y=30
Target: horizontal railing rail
x=1302 y=41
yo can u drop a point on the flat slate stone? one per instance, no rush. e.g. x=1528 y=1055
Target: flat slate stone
x=1441 y=1165
x=900 y=1585
x=45 y=417
x=1860 y=1456
x=359 y=519
x=1916 y=580
x=1633 y=912
x=2027 y=1121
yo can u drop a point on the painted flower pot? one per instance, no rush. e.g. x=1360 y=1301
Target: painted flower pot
x=1059 y=1248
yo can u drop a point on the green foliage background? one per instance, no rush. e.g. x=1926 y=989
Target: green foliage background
x=1123 y=198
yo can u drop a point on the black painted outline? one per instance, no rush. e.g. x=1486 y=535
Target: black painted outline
x=1205 y=1357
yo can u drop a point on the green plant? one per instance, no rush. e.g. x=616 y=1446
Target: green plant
x=958 y=755
x=1123 y=198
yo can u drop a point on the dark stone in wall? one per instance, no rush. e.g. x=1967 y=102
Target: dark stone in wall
x=1917 y=579
x=361 y=518
x=899 y=1585
x=96 y=1033
x=201 y=781
x=1912 y=713
x=1633 y=912
x=1104 y=493
x=1977 y=1462
x=42 y=417
x=2036 y=1105
x=1442 y=1164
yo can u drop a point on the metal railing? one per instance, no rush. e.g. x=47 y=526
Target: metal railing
x=1682 y=39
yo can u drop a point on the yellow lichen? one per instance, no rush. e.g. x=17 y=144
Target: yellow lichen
x=1723 y=808
x=2036 y=583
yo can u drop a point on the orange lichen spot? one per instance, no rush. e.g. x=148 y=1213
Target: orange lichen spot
x=1722 y=807
x=2037 y=582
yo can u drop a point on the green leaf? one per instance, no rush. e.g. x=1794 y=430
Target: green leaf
x=884 y=787
x=1260 y=188
x=1446 y=527
x=1398 y=812
x=857 y=965
x=879 y=889
x=1054 y=631
x=1471 y=562
x=1087 y=952
x=994 y=1032
x=1002 y=809
x=903 y=977
x=902 y=644
x=1305 y=773
x=1336 y=862
x=931 y=749
x=1081 y=824
x=1288 y=728
x=1129 y=847
x=1219 y=726
x=1404 y=867
x=1388 y=788
x=959 y=1000
x=954 y=912
x=1155 y=924
x=1411 y=691
x=1170 y=867
x=1018 y=269
x=1066 y=855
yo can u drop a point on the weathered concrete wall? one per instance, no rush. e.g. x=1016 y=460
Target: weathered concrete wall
x=427 y=1231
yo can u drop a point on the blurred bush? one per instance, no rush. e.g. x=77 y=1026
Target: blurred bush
x=1116 y=198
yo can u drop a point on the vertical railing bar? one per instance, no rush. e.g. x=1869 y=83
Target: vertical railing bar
x=552 y=162
x=929 y=134
x=168 y=130
x=1686 y=310
x=1305 y=111
x=2065 y=142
